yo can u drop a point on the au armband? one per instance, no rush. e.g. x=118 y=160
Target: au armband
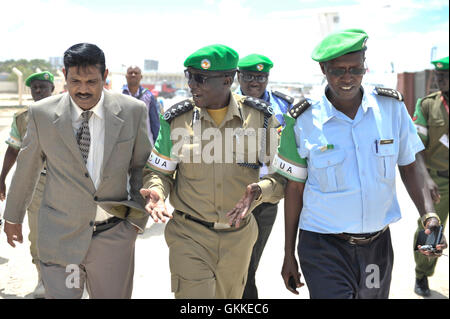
x=160 y=158
x=287 y=161
x=161 y=163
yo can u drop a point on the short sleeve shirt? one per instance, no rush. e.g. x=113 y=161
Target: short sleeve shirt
x=350 y=185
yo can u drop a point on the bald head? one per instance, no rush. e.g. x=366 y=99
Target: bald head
x=134 y=76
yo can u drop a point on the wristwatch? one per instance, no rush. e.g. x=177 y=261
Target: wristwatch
x=424 y=218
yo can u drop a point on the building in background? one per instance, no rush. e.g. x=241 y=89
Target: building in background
x=150 y=65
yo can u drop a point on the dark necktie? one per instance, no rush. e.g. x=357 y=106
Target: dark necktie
x=83 y=135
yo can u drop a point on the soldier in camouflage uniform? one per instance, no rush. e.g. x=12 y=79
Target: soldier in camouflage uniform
x=41 y=85
x=213 y=188
x=431 y=119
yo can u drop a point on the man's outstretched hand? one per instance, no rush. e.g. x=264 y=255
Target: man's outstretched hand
x=155 y=206
x=239 y=211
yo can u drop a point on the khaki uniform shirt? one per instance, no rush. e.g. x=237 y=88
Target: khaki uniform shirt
x=16 y=136
x=431 y=119
x=203 y=177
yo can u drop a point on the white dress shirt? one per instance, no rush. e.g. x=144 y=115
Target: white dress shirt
x=94 y=162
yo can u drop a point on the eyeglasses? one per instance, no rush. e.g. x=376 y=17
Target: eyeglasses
x=257 y=78
x=342 y=71
x=200 y=78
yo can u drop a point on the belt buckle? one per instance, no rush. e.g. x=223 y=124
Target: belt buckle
x=221 y=226
x=352 y=240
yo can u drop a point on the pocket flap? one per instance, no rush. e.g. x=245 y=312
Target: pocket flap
x=328 y=158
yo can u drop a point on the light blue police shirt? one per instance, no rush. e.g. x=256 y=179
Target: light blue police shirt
x=351 y=183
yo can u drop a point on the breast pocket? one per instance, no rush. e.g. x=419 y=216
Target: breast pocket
x=327 y=169
x=385 y=161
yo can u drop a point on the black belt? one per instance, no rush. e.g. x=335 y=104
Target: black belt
x=105 y=225
x=360 y=239
x=442 y=173
x=211 y=225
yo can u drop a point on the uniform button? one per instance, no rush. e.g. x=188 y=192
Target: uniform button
x=95 y=198
x=91 y=223
x=86 y=174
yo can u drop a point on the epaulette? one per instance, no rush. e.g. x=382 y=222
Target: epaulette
x=283 y=96
x=177 y=110
x=299 y=108
x=259 y=104
x=431 y=95
x=20 y=112
x=389 y=93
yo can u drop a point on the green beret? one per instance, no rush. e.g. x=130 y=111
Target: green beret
x=45 y=76
x=256 y=63
x=340 y=43
x=215 y=57
x=441 y=64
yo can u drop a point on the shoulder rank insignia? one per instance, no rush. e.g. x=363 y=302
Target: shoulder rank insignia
x=178 y=109
x=283 y=96
x=299 y=108
x=259 y=104
x=389 y=93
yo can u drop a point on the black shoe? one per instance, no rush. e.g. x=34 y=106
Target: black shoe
x=421 y=288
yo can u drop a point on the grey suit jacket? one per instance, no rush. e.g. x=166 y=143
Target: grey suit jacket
x=70 y=200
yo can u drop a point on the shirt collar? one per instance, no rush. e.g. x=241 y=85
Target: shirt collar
x=233 y=110
x=266 y=96
x=97 y=109
x=126 y=90
x=328 y=111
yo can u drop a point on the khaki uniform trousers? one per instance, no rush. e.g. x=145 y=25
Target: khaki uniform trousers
x=425 y=266
x=207 y=263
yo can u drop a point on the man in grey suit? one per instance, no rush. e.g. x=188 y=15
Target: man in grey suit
x=95 y=144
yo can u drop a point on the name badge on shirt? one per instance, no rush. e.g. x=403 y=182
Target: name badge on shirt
x=384 y=147
x=390 y=141
x=444 y=140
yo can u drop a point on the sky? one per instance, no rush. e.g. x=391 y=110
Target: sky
x=401 y=33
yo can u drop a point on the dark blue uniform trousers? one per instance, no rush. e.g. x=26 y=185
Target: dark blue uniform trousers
x=336 y=269
x=265 y=215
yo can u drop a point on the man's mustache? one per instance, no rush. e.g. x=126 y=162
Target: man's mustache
x=83 y=96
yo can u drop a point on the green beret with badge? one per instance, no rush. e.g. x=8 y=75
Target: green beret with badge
x=340 y=43
x=255 y=63
x=44 y=76
x=215 y=57
x=441 y=64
